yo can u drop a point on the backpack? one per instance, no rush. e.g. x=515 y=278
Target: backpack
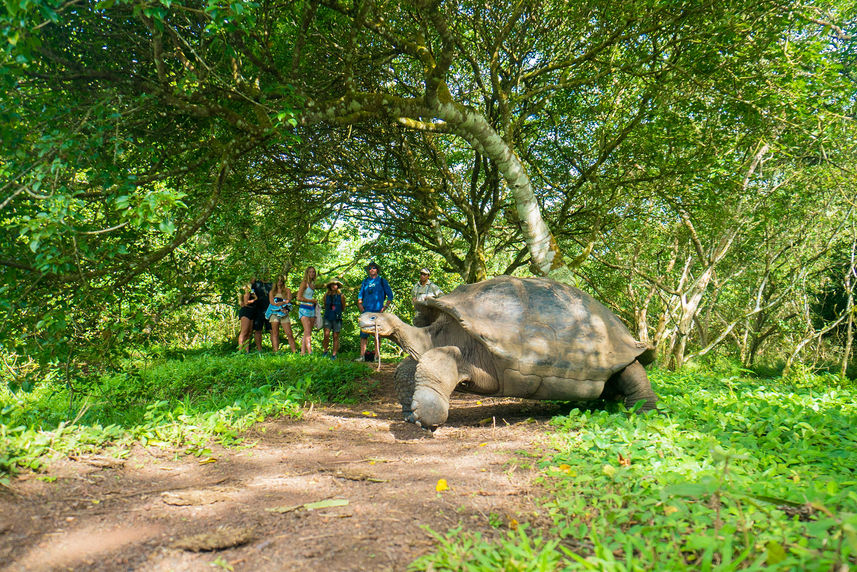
x=333 y=307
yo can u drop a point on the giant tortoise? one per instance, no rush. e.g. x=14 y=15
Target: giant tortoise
x=520 y=337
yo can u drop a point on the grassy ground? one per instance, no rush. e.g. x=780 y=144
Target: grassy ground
x=183 y=402
x=734 y=473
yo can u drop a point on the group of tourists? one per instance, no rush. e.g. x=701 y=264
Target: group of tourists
x=265 y=307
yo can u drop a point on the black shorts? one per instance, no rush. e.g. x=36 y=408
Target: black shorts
x=260 y=323
x=246 y=312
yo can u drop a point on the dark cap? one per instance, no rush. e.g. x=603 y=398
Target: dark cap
x=373 y=265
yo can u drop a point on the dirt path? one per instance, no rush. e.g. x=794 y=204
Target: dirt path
x=375 y=475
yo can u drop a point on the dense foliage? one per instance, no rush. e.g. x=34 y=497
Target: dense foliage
x=689 y=163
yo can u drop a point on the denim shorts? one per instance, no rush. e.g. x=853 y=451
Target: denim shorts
x=333 y=325
x=306 y=312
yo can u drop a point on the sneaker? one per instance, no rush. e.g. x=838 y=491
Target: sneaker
x=333 y=356
x=359 y=358
x=324 y=354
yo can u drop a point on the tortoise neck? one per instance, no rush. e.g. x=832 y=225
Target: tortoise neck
x=415 y=341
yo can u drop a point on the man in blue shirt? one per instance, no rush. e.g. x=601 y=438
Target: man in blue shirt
x=375 y=295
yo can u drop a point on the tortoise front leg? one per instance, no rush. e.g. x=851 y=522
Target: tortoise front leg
x=404 y=383
x=437 y=374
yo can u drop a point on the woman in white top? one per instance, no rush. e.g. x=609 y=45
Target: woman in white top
x=307 y=308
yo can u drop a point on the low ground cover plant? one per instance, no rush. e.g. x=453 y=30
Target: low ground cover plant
x=184 y=402
x=734 y=473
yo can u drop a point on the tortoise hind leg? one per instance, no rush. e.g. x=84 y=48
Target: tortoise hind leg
x=633 y=384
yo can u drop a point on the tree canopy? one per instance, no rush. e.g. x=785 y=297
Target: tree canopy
x=691 y=163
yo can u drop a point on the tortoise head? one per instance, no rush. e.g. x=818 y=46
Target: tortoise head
x=385 y=323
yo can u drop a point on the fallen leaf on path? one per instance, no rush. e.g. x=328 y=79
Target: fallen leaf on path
x=218 y=539
x=208 y=460
x=284 y=509
x=370 y=414
x=441 y=485
x=100 y=461
x=193 y=497
x=325 y=504
x=358 y=476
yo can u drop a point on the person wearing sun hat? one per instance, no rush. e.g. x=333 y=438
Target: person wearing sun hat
x=334 y=305
x=375 y=295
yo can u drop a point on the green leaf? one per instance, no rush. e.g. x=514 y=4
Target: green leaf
x=775 y=552
x=326 y=504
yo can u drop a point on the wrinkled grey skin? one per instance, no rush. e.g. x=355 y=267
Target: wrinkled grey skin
x=517 y=337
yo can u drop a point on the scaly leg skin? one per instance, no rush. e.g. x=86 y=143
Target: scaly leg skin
x=437 y=374
x=404 y=383
x=633 y=383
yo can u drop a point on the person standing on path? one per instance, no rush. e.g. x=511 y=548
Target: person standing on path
x=280 y=302
x=334 y=305
x=307 y=307
x=375 y=295
x=246 y=315
x=262 y=291
x=423 y=289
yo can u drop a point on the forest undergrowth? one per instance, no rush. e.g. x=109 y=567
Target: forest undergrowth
x=735 y=472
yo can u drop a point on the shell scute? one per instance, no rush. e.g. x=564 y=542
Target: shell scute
x=542 y=328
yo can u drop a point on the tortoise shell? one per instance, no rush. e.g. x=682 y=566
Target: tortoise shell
x=543 y=329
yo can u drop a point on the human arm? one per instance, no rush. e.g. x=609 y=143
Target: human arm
x=388 y=294
x=248 y=297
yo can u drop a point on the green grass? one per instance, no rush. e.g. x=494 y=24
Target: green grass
x=182 y=403
x=735 y=473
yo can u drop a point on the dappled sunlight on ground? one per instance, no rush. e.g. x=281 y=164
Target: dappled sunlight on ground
x=380 y=474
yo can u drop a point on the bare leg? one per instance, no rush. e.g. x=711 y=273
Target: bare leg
x=335 y=343
x=287 y=327
x=326 y=341
x=275 y=336
x=363 y=346
x=244 y=335
x=306 y=341
x=257 y=335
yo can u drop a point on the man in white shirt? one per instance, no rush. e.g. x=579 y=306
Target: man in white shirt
x=425 y=288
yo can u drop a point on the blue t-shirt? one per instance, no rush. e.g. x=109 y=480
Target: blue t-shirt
x=373 y=291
